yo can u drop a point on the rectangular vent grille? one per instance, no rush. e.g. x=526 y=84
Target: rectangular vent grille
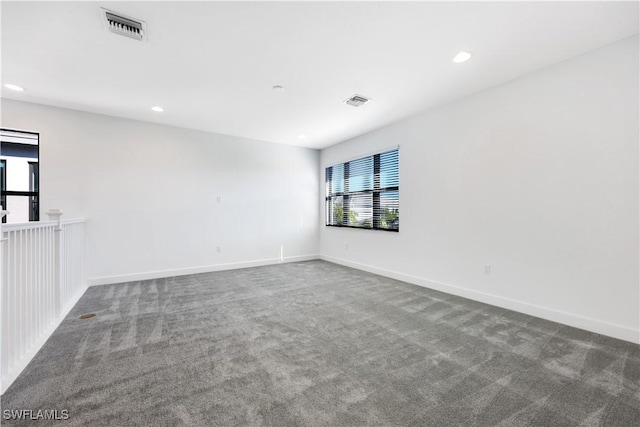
x=124 y=25
x=357 y=100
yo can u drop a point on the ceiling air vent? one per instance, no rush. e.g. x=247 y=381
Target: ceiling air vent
x=357 y=100
x=124 y=25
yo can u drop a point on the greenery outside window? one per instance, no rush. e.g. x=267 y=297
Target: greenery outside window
x=364 y=193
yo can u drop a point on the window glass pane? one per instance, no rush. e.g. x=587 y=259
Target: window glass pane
x=361 y=174
x=18 y=207
x=18 y=173
x=389 y=211
x=361 y=210
x=337 y=179
x=33 y=176
x=335 y=211
x=389 y=169
x=327 y=182
x=3 y=162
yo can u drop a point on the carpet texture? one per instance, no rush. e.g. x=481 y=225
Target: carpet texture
x=317 y=344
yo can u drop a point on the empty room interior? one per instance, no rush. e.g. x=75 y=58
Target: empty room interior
x=320 y=213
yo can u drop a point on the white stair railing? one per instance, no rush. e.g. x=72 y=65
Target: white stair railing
x=42 y=277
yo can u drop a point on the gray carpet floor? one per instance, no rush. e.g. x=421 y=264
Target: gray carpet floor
x=315 y=344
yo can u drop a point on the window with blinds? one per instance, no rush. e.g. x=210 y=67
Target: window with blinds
x=364 y=193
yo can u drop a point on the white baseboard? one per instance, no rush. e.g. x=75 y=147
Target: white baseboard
x=577 y=321
x=158 y=274
x=9 y=377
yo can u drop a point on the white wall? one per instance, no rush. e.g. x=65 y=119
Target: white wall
x=150 y=193
x=537 y=177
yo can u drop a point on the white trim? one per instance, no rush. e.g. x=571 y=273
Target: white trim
x=17 y=226
x=158 y=274
x=9 y=377
x=574 y=320
x=73 y=221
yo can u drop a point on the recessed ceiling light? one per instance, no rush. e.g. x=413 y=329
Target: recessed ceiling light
x=278 y=88
x=14 y=87
x=461 y=57
x=157 y=109
x=302 y=136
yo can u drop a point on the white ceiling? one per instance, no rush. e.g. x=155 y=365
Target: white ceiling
x=211 y=65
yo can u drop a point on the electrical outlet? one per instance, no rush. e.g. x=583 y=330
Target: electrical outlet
x=346 y=246
x=219 y=199
x=487 y=269
x=218 y=249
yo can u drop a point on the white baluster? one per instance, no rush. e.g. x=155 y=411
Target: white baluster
x=55 y=215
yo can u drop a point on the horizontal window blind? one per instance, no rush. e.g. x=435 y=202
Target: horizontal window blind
x=364 y=193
